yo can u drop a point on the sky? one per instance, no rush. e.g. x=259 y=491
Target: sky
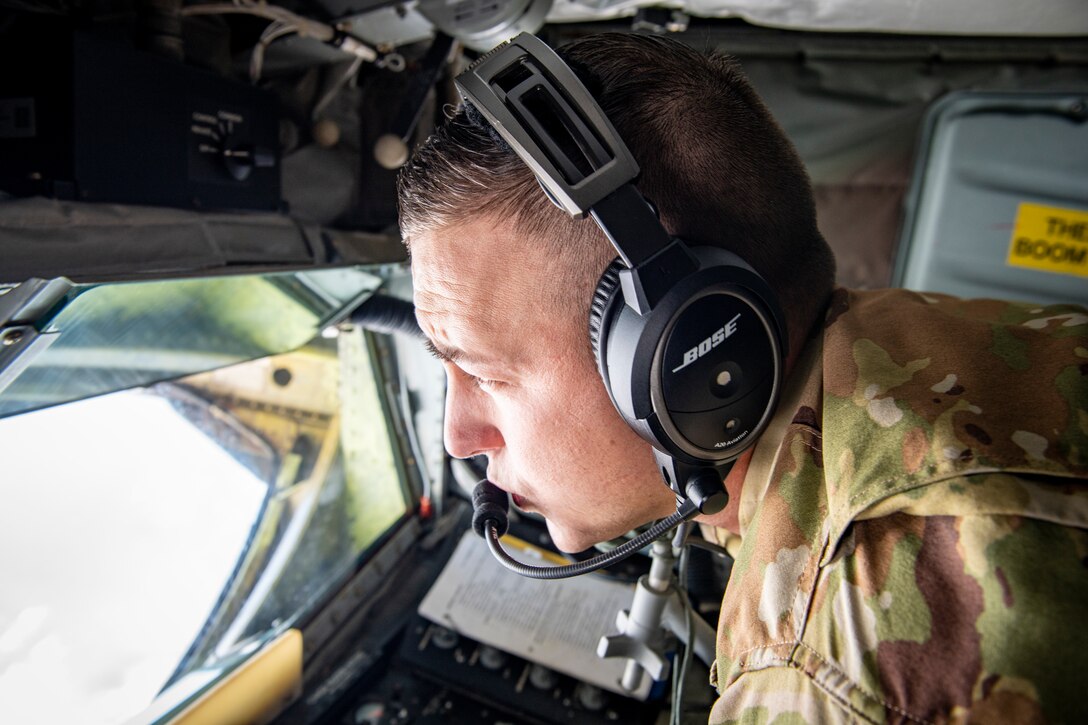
x=119 y=525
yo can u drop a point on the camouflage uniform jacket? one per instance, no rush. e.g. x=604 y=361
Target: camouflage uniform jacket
x=914 y=523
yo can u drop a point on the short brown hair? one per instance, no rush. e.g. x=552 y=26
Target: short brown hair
x=714 y=162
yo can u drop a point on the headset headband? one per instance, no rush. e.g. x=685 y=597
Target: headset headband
x=543 y=111
x=540 y=108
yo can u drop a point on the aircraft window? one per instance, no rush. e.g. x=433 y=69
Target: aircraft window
x=159 y=530
x=114 y=336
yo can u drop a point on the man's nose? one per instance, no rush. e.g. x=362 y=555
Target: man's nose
x=469 y=430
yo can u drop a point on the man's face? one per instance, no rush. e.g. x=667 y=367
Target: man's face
x=523 y=387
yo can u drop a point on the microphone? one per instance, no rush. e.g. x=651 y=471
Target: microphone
x=490 y=506
x=489 y=520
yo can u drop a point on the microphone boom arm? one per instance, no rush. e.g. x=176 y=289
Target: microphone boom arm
x=685 y=511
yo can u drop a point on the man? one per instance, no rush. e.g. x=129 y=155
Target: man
x=913 y=521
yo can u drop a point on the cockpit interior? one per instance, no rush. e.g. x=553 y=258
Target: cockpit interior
x=225 y=497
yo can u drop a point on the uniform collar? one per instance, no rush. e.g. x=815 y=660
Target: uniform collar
x=804 y=387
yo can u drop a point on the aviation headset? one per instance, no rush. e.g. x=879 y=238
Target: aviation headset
x=690 y=341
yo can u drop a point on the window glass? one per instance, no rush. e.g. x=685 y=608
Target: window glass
x=157 y=530
x=115 y=336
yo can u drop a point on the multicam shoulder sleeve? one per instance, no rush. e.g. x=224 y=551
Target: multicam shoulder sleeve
x=917 y=550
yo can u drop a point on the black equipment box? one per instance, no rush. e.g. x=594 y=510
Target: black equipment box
x=88 y=118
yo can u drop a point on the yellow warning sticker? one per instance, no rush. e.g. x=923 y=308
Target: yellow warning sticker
x=1050 y=239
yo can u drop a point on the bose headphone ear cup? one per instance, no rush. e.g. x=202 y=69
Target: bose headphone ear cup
x=699 y=375
x=603 y=295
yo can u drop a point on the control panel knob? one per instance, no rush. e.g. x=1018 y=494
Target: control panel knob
x=491 y=658
x=241 y=158
x=444 y=638
x=542 y=678
x=591 y=698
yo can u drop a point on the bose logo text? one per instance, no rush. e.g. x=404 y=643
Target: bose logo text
x=717 y=338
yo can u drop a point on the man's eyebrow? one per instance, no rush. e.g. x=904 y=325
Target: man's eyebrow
x=450 y=355
x=454 y=355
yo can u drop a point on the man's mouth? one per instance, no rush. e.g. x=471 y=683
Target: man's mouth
x=519 y=501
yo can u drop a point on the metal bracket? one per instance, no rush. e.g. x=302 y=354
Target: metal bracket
x=24 y=310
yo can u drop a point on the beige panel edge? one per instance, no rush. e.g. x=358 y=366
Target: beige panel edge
x=256 y=691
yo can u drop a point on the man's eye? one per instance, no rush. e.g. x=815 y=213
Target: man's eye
x=484 y=383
